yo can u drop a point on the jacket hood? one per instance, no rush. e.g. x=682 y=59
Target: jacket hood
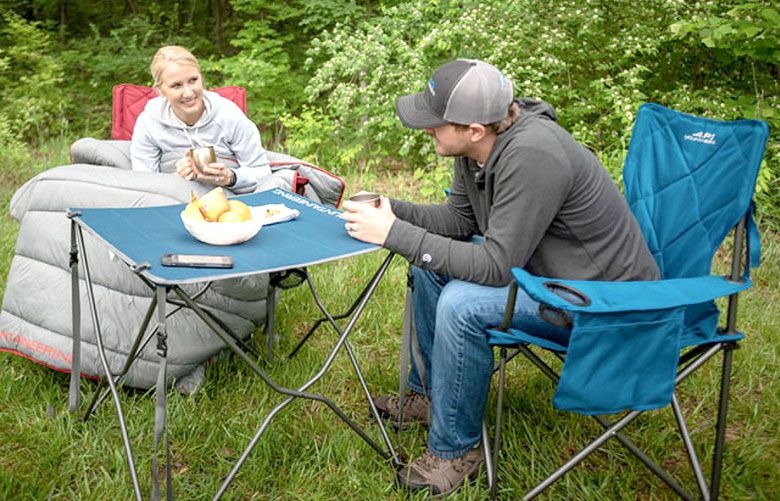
x=530 y=109
x=535 y=107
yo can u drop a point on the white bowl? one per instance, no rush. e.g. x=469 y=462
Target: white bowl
x=224 y=233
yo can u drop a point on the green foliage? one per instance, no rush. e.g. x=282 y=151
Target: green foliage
x=584 y=56
x=104 y=58
x=433 y=181
x=311 y=139
x=270 y=48
x=322 y=76
x=31 y=100
x=591 y=59
x=750 y=29
x=736 y=49
x=15 y=152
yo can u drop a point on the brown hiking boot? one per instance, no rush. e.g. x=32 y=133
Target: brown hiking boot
x=440 y=476
x=417 y=408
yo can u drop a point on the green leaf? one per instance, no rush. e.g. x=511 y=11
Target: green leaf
x=750 y=31
x=723 y=30
x=772 y=16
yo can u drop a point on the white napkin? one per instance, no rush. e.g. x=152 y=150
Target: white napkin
x=281 y=213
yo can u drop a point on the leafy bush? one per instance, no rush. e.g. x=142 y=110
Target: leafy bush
x=596 y=61
x=120 y=55
x=586 y=57
x=322 y=75
x=15 y=152
x=736 y=73
x=30 y=78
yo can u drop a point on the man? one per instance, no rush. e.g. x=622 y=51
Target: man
x=534 y=198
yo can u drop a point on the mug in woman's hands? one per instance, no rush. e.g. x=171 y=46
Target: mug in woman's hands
x=202 y=156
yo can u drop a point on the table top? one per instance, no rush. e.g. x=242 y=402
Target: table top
x=142 y=235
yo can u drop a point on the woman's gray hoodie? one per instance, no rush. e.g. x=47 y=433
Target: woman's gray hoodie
x=542 y=202
x=160 y=139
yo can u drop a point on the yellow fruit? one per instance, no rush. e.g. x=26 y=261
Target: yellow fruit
x=230 y=216
x=192 y=211
x=214 y=204
x=241 y=208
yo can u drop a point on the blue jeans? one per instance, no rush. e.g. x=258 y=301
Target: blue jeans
x=451 y=317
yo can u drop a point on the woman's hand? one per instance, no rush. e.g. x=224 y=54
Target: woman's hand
x=186 y=168
x=217 y=174
x=214 y=173
x=367 y=223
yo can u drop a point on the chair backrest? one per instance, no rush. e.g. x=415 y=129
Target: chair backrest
x=689 y=180
x=129 y=101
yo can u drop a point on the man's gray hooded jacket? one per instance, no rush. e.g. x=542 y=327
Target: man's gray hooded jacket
x=542 y=202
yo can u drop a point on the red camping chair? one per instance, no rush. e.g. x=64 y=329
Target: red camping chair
x=129 y=101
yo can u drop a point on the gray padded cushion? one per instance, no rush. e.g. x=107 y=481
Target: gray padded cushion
x=101 y=152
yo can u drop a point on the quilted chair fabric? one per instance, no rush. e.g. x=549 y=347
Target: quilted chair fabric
x=688 y=180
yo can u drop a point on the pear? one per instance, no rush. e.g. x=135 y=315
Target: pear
x=241 y=209
x=230 y=217
x=194 y=209
x=213 y=204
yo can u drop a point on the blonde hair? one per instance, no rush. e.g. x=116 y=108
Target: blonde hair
x=170 y=54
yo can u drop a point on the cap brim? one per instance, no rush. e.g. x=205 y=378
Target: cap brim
x=414 y=113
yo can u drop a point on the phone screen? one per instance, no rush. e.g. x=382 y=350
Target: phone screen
x=196 y=260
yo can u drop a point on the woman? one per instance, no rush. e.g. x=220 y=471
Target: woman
x=184 y=116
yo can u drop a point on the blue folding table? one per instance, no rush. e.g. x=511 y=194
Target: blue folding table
x=140 y=236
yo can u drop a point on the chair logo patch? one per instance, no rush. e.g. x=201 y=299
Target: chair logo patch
x=701 y=137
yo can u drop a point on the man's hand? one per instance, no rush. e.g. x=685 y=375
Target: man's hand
x=367 y=223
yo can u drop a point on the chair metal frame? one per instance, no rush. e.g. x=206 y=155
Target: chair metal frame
x=689 y=361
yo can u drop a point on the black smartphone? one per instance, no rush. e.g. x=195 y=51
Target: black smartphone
x=196 y=260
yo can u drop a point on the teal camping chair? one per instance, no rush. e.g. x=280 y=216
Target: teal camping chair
x=688 y=181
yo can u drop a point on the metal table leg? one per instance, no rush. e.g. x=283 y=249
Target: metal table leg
x=301 y=391
x=161 y=402
x=138 y=346
x=104 y=362
x=367 y=292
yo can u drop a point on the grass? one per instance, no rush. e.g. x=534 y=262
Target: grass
x=308 y=453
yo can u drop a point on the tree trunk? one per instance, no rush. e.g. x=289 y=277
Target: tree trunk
x=63 y=22
x=218 y=25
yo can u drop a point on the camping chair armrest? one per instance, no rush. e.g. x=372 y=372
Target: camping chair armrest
x=606 y=297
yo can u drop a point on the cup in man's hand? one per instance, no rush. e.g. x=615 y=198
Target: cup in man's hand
x=202 y=157
x=366 y=197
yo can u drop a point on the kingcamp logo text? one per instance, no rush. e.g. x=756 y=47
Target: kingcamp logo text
x=701 y=137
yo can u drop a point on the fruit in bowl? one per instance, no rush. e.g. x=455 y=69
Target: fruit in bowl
x=238 y=211
x=215 y=220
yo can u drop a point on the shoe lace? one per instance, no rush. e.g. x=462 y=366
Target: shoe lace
x=459 y=464
x=430 y=462
x=411 y=400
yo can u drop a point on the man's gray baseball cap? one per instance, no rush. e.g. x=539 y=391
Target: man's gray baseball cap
x=464 y=91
